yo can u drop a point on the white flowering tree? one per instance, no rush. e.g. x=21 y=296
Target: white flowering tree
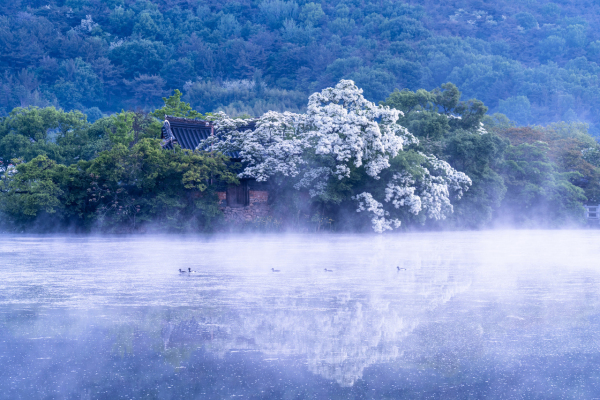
x=272 y=145
x=342 y=132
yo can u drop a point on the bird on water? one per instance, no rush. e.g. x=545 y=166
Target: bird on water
x=275 y=270
x=182 y=271
x=190 y=271
x=401 y=269
x=328 y=270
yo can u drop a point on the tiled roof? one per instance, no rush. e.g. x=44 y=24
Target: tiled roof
x=188 y=133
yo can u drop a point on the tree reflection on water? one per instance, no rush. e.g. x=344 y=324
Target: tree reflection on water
x=469 y=316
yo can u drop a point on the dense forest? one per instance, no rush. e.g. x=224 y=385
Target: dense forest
x=422 y=159
x=534 y=61
x=500 y=101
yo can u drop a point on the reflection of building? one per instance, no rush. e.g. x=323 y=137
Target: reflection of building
x=243 y=202
x=592 y=213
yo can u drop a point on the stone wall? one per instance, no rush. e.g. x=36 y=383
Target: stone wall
x=258 y=207
x=258 y=196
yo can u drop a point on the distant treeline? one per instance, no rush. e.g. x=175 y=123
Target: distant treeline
x=58 y=171
x=534 y=61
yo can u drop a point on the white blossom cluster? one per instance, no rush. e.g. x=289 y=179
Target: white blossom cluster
x=477 y=17
x=457 y=181
x=340 y=130
x=274 y=146
x=340 y=127
x=315 y=179
x=87 y=24
x=239 y=84
x=428 y=190
x=366 y=202
x=187 y=85
x=346 y=127
x=116 y=43
x=343 y=128
x=401 y=192
x=7 y=171
x=481 y=130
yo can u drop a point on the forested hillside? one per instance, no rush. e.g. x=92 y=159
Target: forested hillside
x=534 y=61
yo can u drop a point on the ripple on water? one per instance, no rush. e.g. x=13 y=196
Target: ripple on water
x=481 y=311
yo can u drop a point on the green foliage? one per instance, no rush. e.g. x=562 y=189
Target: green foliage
x=140 y=56
x=446 y=97
x=312 y=14
x=551 y=47
x=175 y=108
x=568 y=146
x=430 y=115
x=145 y=184
x=536 y=191
x=526 y=20
x=243 y=97
x=34 y=189
x=118 y=177
x=521 y=176
x=35 y=123
x=123 y=189
x=480 y=157
x=249 y=57
x=516 y=108
x=127 y=128
x=29 y=132
x=497 y=122
x=58 y=171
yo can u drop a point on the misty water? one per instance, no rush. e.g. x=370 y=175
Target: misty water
x=504 y=314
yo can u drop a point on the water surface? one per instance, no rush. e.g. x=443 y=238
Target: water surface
x=505 y=314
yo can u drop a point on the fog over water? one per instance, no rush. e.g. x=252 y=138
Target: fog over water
x=496 y=314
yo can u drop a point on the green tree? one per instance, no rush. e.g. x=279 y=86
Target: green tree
x=526 y=20
x=139 y=57
x=29 y=132
x=123 y=189
x=145 y=184
x=34 y=189
x=537 y=193
x=480 y=157
x=130 y=127
x=175 y=108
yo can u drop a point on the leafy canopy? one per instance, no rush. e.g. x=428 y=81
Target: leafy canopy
x=175 y=108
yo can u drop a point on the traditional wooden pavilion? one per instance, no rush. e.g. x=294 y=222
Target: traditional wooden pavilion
x=188 y=134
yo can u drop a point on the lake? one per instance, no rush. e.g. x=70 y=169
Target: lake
x=449 y=315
